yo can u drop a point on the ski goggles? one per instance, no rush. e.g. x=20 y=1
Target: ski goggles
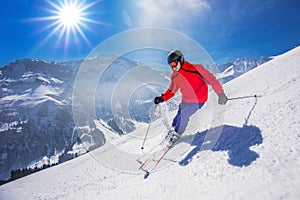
x=173 y=64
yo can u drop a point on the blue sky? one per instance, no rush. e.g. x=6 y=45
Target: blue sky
x=227 y=29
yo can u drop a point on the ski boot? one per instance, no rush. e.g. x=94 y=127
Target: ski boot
x=171 y=138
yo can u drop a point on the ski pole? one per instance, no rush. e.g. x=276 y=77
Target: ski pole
x=243 y=97
x=148 y=128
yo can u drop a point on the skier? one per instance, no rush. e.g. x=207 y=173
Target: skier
x=192 y=80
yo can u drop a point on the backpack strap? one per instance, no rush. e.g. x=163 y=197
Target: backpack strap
x=194 y=72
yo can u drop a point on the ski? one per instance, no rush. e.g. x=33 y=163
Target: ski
x=151 y=169
x=162 y=156
x=151 y=162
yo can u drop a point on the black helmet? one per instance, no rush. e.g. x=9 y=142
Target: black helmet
x=175 y=55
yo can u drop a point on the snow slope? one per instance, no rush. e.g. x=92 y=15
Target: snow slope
x=247 y=149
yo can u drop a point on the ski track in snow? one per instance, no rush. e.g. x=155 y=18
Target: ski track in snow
x=271 y=169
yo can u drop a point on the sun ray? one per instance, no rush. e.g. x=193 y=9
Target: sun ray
x=68 y=19
x=79 y=30
x=55 y=30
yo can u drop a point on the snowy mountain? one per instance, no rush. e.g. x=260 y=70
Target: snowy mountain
x=247 y=149
x=36 y=118
x=233 y=69
x=35 y=113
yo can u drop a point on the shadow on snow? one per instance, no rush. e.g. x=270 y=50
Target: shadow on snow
x=236 y=140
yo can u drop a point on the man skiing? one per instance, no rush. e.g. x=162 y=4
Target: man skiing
x=192 y=80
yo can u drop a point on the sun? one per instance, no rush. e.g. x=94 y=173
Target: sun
x=68 y=20
x=70 y=15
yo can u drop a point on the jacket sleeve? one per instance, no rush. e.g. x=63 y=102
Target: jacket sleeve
x=173 y=88
x=210 y=79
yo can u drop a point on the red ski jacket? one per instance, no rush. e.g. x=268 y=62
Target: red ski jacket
x=192 y=80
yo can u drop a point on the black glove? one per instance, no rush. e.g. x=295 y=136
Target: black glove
x=222 y=99
x=158 y=100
